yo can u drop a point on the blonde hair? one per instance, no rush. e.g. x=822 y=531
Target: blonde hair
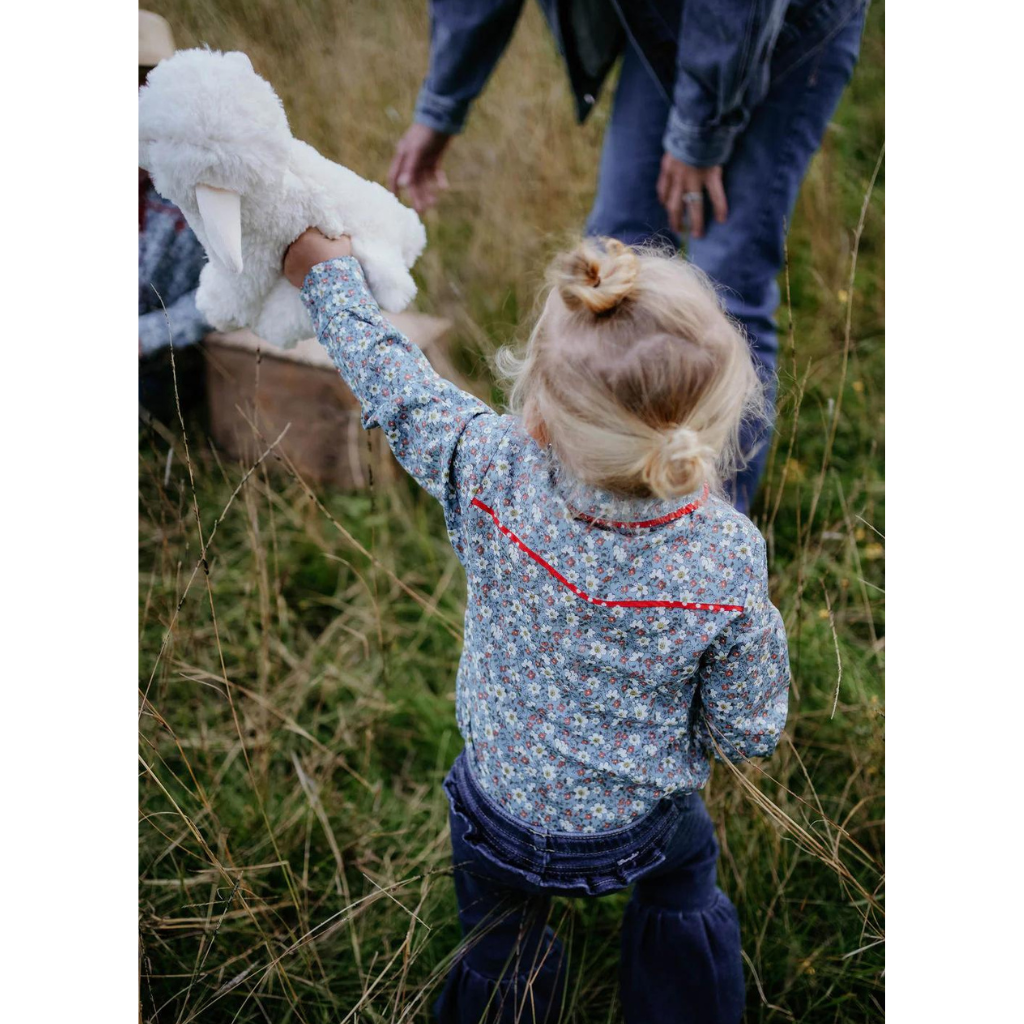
x=634 y=374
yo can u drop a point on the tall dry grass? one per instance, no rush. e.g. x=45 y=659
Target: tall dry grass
x=298 y=647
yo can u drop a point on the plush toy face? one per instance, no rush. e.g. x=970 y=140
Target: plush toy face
x=209 y=126
x=203 y=113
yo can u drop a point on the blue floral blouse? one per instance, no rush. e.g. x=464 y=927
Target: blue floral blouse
x=611 y=647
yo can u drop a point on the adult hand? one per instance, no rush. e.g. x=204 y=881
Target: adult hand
x=309 y=249
x=680 y=185
x=417 y=166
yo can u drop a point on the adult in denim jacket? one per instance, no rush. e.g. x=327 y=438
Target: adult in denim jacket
x=719 y=108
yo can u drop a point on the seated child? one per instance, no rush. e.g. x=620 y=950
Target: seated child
x=618 y=630
x=170 y=260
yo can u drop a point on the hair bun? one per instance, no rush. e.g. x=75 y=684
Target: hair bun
x=677 y=462
x=598 y=275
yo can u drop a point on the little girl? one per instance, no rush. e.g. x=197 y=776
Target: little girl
x=618 y=627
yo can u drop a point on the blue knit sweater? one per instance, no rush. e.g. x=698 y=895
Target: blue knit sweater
x=170 y=260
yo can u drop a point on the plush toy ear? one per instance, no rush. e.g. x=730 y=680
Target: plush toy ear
x=221 y=211
x=240 y=58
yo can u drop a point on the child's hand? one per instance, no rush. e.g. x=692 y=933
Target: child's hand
x=309 y=249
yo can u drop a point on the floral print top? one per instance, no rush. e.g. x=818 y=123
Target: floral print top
x=611 y=647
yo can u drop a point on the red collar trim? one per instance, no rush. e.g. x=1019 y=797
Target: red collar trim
x=645 y=523
x=688 y=605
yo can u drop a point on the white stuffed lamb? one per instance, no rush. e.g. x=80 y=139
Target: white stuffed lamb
x=215 y=139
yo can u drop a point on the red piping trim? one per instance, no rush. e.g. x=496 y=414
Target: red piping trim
x=660 y=521
x=689 y=605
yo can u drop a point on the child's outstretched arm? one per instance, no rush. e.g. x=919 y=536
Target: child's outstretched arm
x=438 y=433
x=744 y=675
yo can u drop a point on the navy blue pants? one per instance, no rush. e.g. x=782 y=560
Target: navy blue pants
x=744 y=255
x=680 y=960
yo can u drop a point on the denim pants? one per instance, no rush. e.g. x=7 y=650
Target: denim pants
x=743 y=256
x=680 y=955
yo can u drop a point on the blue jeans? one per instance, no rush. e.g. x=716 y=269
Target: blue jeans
x=680 y=958
x=743 y=256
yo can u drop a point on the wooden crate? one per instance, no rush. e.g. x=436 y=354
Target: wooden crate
x=275 y=387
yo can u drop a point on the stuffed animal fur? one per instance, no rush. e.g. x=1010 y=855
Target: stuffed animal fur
x=215 y=139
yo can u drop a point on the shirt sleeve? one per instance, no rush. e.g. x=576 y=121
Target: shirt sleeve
x=441 y=435
x=744 y=676
x=467 y=38
x=725 y=49
x=187 y=325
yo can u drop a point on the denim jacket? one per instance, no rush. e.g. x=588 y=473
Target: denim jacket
x=714 y=59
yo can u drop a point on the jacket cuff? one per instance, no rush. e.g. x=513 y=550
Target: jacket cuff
x=697 y=145
x=441 y=113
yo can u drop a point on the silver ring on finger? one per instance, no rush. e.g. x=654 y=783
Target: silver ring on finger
x=693 y=197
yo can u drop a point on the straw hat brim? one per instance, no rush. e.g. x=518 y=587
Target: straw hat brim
x=156 y=41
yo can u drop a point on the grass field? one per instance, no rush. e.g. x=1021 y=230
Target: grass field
x=298 y=647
